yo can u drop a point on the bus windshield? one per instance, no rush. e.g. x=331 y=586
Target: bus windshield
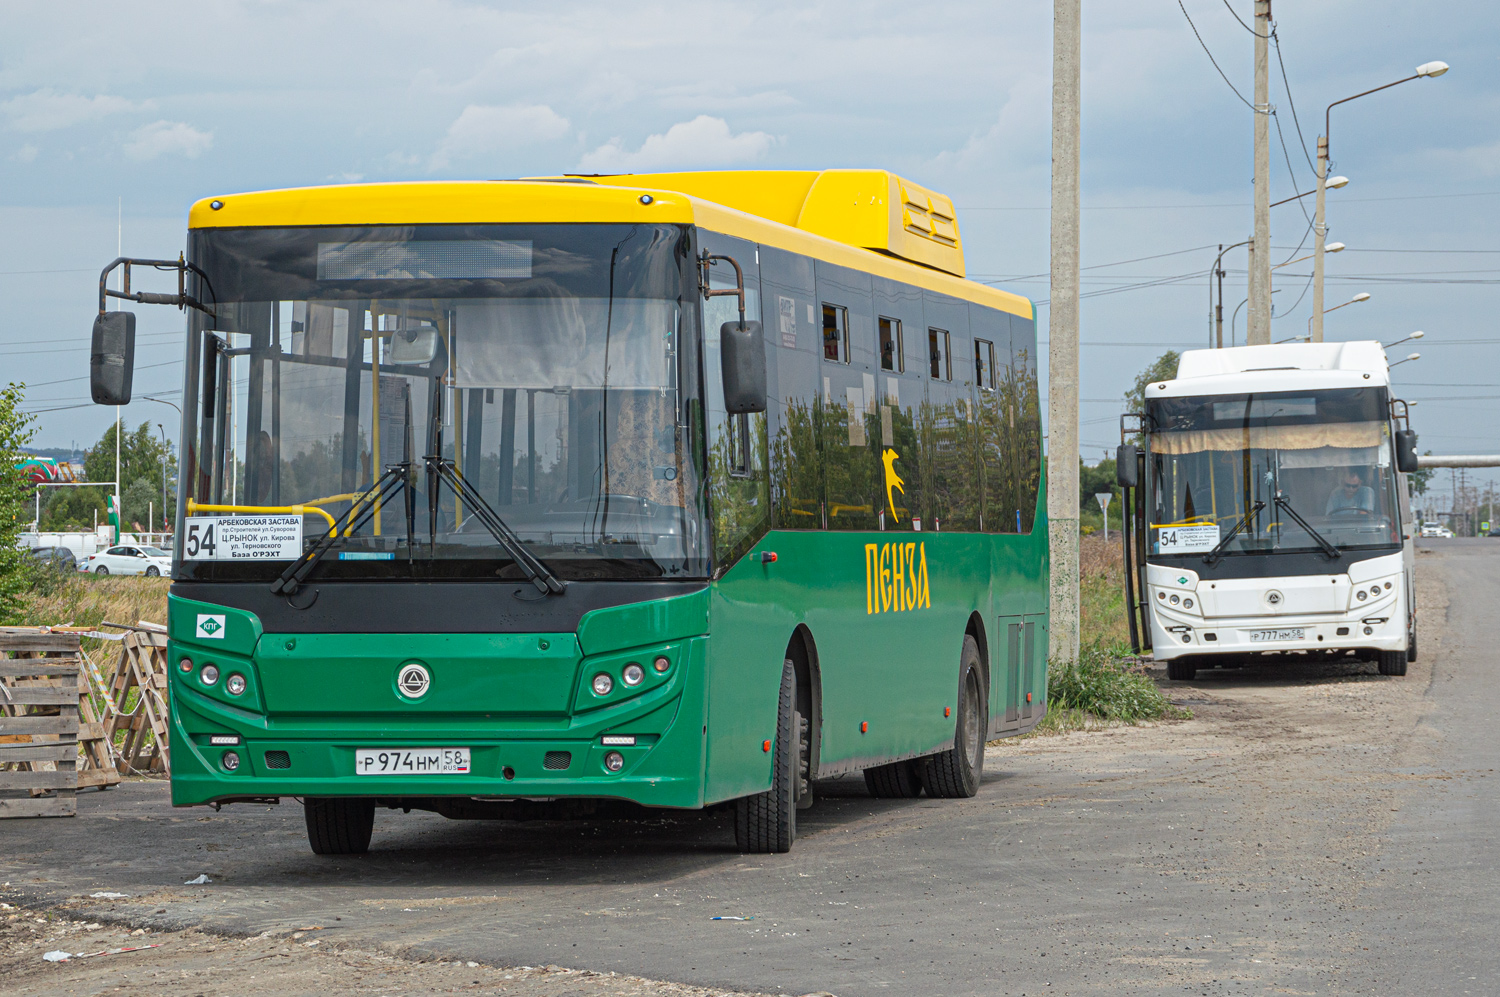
x=1295 y=471
x=550 y=364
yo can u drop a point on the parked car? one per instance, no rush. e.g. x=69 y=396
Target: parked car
x=1436 y=530
x=128 y=559
x=58 y=558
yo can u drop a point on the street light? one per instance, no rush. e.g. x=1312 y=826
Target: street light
x=1410 y=357
x=1416 y=335
x=1216 y=312
x=1332 y=247
x=1334 y=183
x=1320 y=227
x=1318 y=337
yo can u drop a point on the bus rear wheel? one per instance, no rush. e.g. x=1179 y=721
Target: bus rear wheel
x=1392 y=662
x=767 y=822
x=895 y=781
x=339 y=827
x=956 y=772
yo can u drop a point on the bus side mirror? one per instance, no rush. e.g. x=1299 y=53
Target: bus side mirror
x=1406 y=450
x=1126 y=457
x=112 y=358
x=742 y=354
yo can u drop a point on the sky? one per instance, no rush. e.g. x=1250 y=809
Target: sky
x=115 y=117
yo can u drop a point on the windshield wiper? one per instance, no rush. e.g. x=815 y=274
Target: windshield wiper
x=540 y=575
x=1282 y=502
x=360 y=511
x=1218 y=551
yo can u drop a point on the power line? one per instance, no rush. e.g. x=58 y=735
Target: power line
x=1241 y=20
x=1212 y=59
x=1286 y=86
x=1101 y=266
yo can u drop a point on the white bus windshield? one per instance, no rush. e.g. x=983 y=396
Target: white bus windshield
x=1292 y=467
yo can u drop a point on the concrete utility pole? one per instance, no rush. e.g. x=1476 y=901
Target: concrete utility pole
x=1062 y=332
x=1258 y=331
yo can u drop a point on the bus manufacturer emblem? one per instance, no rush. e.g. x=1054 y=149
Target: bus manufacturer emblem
x=413 y=681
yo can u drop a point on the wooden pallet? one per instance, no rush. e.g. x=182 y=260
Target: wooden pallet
x=139 y=731
x=39 y=698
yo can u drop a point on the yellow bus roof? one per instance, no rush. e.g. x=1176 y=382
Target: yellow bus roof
x=867 y=220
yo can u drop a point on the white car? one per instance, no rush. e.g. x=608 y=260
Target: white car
x=1436 y=530
x=128 y=559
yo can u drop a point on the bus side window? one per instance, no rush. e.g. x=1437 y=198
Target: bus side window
x=738 y=497
x=835 y=333
x=984 y=365
x=939 y=361
x=796 y=462
x=891 y=355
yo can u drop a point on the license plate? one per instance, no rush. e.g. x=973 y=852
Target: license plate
x=1295 y=634
x=411 y=761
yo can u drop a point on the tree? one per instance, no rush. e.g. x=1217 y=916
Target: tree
x=1417 y=480
x=16 y=431
x=1163 y=368
x=142 y=454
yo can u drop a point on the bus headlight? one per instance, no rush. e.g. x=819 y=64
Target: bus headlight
x=235 y=684
x=209 y=674
x=603 y=684
x=661 y=664
x=633 y=674
x=614 y=761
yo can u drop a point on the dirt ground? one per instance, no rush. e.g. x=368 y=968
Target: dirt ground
x=1285 y=786
x=194 y=964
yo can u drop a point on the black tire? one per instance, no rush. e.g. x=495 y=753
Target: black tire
x=1182 y=670
x=101 y=570
x=1411 y=644
x=1392 y=662
x=767 y=822
x=339 y=827
x=955 y=773
x=896 y=781
x=153 y=572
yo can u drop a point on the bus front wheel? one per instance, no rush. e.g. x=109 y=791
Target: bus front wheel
x=339 y=827
x=1182 y=670
x=767 y=822
x=1392 y=662
x=956 y=772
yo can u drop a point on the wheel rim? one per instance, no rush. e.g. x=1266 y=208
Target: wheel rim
x=969 y=719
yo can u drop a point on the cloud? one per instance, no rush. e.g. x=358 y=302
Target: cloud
x=47 y=110
x=162 y=138
x=25 y=154
x=704 y=141
x=488 y=130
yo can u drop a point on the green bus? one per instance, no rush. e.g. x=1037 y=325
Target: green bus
x=564 y=496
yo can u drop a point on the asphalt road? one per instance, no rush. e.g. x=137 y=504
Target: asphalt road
x=1311 y=831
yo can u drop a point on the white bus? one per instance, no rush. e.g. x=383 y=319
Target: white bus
x=1268 y=510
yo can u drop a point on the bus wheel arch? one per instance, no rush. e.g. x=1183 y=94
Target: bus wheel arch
x=975 y=629
x=802 y=651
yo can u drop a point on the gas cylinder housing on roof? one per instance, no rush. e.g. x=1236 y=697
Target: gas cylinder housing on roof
x=871 y=209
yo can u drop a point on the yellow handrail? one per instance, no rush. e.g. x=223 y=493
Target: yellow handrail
x=295 y=510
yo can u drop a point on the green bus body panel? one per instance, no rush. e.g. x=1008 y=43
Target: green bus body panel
x=701 y=729
x=895 y=671
x=504 y=696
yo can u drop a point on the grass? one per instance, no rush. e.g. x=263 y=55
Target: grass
x=1108 y=685
x=75 y=598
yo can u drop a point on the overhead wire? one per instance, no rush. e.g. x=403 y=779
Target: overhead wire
x=1211 y=58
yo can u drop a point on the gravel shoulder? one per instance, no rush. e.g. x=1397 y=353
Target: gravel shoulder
x=1284 y=840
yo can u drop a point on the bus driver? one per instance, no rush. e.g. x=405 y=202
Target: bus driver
x=1353 y=496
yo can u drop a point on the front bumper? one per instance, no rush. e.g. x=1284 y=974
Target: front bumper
x=1176 y=638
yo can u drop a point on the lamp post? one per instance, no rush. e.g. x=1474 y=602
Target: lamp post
x=1416 y=335
x=163 y=430
x=1410 y=357
x=1216 y=312
x=1320 y=227
x=1318 y=316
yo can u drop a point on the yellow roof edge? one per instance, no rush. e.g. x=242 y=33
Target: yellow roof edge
x=374 y=204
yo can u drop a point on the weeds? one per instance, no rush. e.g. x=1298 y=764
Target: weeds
x=1106 y=686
